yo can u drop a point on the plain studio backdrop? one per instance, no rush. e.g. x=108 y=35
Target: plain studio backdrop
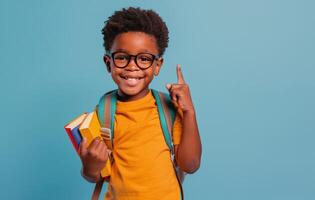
x=250 y=66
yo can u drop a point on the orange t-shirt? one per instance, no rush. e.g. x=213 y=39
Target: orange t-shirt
x=142 y=167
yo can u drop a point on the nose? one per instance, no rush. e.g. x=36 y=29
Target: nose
x=132 y=66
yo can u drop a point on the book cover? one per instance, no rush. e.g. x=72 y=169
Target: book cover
x=90 y=127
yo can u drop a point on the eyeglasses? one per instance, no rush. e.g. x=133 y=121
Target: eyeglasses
x=142 y=60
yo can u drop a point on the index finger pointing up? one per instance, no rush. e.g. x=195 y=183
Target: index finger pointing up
x=180 y=77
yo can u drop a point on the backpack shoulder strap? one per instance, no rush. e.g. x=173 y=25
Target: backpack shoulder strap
x=106 y=109
x=97 y=190
x=167 y=112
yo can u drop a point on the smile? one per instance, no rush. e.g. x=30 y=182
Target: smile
x=131 y=78
x=131 y=81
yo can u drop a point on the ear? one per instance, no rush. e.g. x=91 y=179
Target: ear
x=158 y=66
x=106 y=60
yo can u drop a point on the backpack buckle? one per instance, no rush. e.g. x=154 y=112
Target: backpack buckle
x=106 y=131
x=106 y=134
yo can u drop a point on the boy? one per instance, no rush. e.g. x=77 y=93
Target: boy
x=135 y=41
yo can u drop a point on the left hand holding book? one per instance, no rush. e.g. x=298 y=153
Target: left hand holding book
x=91 y=145
x=93 y=157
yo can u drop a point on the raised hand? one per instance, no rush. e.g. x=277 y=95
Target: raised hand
x=93 y=157
x=180 y=93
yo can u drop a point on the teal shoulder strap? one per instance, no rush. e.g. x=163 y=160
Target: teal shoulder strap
x=106 y=109
x=167 y=113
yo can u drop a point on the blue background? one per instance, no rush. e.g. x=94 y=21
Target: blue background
x=250 y=65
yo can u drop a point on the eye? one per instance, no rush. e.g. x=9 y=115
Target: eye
x=121 y=57
x=145 y=58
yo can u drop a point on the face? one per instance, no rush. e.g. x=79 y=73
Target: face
x=133 y=81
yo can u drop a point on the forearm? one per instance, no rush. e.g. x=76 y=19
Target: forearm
x=189 y=150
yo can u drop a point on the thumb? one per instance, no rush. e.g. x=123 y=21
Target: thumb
x=83 y=147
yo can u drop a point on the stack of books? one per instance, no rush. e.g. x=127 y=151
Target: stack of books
x=87 y=125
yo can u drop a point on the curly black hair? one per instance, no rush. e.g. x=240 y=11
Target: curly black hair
x=136 y=19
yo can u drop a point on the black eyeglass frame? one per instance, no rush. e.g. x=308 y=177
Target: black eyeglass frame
x=111 y=55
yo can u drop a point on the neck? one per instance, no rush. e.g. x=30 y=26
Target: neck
x=125 y=97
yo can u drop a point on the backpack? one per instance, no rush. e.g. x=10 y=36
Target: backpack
x=106 y=109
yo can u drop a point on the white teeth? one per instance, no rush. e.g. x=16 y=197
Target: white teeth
x=129 y=78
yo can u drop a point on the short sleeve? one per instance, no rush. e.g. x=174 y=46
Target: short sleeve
x=177 y=129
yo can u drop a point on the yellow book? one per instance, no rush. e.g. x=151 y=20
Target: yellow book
x=106 y=171
x=90 y=129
